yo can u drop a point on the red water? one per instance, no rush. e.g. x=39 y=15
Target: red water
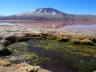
x=53 y=24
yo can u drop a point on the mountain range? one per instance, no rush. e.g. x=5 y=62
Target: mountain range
x=47 y=14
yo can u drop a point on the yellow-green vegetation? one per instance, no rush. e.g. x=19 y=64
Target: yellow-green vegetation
x=18 y=47
x=4 y=63
x=28 y=55
x=81 y=55
x=84 y=54
x=77 y=54
x=94 y=55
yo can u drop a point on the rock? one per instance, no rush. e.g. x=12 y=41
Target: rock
x=94 y=71
x=5 y=42
x=37 y=68
x=20 y=38
x=4 y=63
x=24 y=67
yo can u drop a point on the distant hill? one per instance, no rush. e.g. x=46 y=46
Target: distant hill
x=47 y=14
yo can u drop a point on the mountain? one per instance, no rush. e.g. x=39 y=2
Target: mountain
x=47 y=14
x=1 y=16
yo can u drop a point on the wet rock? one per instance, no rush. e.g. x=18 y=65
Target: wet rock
x=4 y=51
x=11 y=39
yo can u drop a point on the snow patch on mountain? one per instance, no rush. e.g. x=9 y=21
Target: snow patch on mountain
x=41 y=11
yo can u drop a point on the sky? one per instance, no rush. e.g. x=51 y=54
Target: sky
x=9 y=7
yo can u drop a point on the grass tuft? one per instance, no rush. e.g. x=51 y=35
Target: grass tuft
x=63 y=39
x=86 y=42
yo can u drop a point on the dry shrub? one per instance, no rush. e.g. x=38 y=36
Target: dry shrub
x=75 y=41
x=93 y=39
x=82 y=42
x=31 y=34
x=51 y=36
x=63 y=39
x=86 y=42
x=18 y=33
x=4 y=63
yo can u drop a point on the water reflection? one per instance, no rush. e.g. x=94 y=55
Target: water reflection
x=91 y=27
x=52 y=24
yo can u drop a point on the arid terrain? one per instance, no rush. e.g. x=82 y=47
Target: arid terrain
x=11 y=35
x=47 y=40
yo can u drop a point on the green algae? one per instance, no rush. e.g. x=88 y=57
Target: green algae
x=82 y=57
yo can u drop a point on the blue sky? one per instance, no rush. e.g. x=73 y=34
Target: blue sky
x=9 y=7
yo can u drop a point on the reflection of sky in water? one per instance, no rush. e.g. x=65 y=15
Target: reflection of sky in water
x=79 y=27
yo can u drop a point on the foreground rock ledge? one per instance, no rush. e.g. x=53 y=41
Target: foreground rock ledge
x=22 y=67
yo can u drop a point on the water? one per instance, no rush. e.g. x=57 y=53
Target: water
x=6 y=23
x=53 y=24
x=89 y=27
